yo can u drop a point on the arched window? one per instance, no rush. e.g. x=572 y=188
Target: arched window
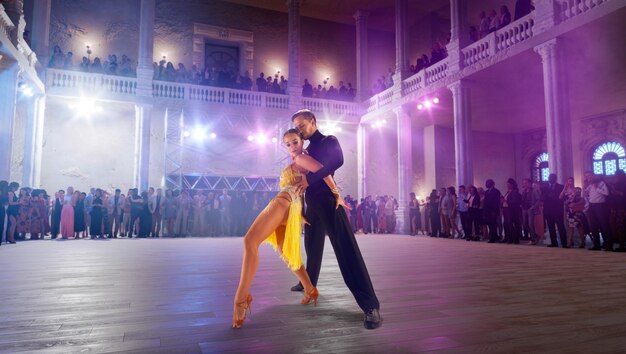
x=539 y=168
x=608 y=158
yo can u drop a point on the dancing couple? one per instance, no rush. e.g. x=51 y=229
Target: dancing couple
x=280 y=224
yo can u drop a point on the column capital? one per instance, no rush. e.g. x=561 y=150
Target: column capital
x=546 y=49
x=361 y=16
x=458 y=85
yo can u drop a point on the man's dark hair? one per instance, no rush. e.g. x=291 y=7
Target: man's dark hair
x=118 y=190
x=305 y=113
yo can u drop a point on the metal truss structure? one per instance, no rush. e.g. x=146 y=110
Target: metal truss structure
x=237 y=183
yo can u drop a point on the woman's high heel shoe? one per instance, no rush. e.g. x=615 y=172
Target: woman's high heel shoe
x=310 y=296
x=245 y=305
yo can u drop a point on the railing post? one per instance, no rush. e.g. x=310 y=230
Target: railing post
x=546 y=15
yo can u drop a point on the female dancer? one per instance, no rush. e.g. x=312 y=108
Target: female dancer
x=279 y=224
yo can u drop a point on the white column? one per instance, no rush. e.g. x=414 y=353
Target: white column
x=143 y=104
x=558 y=126
x=33 y=141
x=8 y=95
x=402 y=59
x=40 y=33
x=462 y=133
x=362 y=55
x=459 y=33
x=405 y=169
x=361 y=148
x=146 y=48
x=143 y=113
x=294 y=86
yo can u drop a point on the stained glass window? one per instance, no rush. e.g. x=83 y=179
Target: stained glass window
x=540 y=170
x=608 y=157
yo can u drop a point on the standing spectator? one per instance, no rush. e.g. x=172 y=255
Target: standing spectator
x=170 y=210
x=181 y=227
x=126 y=229
x=473 y=203
x=67 y=214
x=574 y=209
x=453 y=212
x=157 y=215
x=435 y=220
x=553 y=211
x=505 y=16
x=445 y=208
x=225 y=213
x=526 y=204
x=463 y=207
x=523 y=8
x=116 y=206
x=381 y=209
x=145 y=216
x=597 y=193
x=491 y=209
x=88 y=205
x=536 y=209
x=512 y=210
x=56 y=213
x=390 y=215
x=97 y=209
x=198 y=213
x=23 y=214
x=307 y=89
x=135 y=209
x=414 y=214
x=494 y=21
x=79 y=216
x=261 y=84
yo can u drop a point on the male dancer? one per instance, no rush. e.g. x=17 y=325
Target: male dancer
x=325 y=218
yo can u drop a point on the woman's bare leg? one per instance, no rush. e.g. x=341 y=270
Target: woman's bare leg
x=269 y=220
x=301 y=273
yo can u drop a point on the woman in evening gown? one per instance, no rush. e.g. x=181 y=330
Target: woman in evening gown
x=280 y=225
x=67 y=214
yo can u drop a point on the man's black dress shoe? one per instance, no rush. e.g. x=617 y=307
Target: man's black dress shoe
x=298 y=287
x=595 y=248
x=372 y=319
x=551 y=245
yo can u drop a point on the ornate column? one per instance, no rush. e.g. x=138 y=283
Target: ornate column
x=459 y=34
x=144 y=101
x=558 y=126
x=361 y=150
x=462 y=133
x=294 y=88
x=8 y=95
x=40 y=36
x=33 y=142
x=405 y=169
x=362 y=55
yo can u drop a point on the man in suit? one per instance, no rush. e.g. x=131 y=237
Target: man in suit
x=325 y=218
x=492 y=209
x=115 y=207
x=553 y=211
x=156 y=207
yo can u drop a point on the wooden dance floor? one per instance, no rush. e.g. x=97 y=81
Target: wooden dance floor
x=437 y=295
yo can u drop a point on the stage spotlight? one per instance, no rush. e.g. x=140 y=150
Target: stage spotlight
x=274 y=140
x=261 y=139
x=186 y=133
x=250 y=138
x=213 y=136
x=420 y=107
x=199 y=133
x=428 y=104
x=383 y=122
x=436 y=100
x=85 y=107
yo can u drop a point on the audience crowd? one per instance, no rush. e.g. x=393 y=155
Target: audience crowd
x=342 y=93
x=33 y=214
x=570 y=214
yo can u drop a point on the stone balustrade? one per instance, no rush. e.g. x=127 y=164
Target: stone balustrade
x=69 y=81
x=569 y=9
x=515 y=32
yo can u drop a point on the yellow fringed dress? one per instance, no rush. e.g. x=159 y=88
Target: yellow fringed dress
x=290 y=252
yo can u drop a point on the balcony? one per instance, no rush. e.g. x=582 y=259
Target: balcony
x=66 y=83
